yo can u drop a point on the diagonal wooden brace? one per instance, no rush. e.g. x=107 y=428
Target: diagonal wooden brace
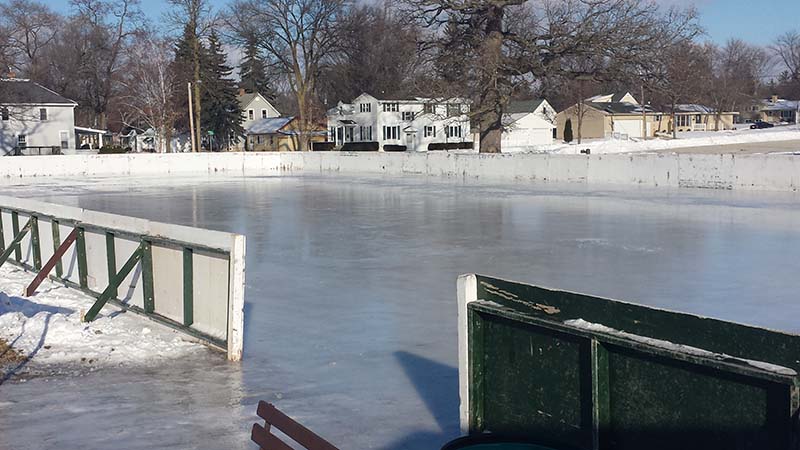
x=114 y=283
x=15 y=243
x=59 y=253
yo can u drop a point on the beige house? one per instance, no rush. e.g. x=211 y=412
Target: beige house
x=277 y=134
x=612 y=115
x=692 y=117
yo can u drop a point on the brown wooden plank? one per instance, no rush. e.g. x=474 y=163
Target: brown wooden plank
x=267 y=441
x=291 y=428
x=51 y=263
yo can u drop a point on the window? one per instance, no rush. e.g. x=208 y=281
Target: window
x=348 y=134
x=5 y=113
x=391 y=133
x=263 y=113
x=698 y=119
x=408 y=116
x=258 y=139
x=454 y=131
x=250 y=114
x=22 y=141
x=391 y=107
x=430 y=108
x=430 y=131
x=332 y=133
x=453 y=110
x=42 y=114
x=365 y=107
x=366 y=133
x=684 y=121
x=64 y=135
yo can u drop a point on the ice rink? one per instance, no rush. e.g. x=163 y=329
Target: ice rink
x=350 y=314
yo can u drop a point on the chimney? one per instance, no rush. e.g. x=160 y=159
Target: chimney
x=241 y=92
x=774 y=99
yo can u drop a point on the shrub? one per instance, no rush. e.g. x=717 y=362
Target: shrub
x=394 y=148
x=568 y=131
x=360 y=147
x=451 y=145
x=112 y=150
x=322 y=146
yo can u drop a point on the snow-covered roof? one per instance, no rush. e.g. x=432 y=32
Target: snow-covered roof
x=267 y=126
x=694 y=108
x=536 y=121
x=18 y=91
x=524 y=106
x=780 y=105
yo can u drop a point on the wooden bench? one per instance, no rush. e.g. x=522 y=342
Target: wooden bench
x=300 y=434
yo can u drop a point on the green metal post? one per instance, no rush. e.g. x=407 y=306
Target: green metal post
x=601 y=412
x=113 y=284
x=56 y=244
x=37 y=250
x=188 y=287
x=2 y=237
x=15 y=231
x=147 y=277
x=111 y=259
x=15 y=243
x=82 y=267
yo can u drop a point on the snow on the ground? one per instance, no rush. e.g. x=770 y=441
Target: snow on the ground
x=691 y=139
x=47 y=328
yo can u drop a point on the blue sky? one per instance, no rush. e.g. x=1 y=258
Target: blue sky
x=756 y=22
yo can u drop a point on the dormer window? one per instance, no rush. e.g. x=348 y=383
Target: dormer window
x=430 y=108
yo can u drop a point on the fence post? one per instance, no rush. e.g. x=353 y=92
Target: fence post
x=147 y=276
x=56 y=243
x=111 y=260
x=37 y=251
x=82 y=267
x=188 y=287
x=15 y=230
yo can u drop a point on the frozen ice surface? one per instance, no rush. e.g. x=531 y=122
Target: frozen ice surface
x=350 y=304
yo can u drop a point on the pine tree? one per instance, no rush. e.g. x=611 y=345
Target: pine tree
x=568 y=131
x=222 y=114
x=183 y=74
x=253 y=71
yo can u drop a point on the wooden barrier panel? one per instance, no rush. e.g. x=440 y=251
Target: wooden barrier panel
x=594 y=373
x=187 y=278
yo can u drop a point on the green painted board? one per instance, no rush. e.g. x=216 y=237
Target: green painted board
x=616 y=379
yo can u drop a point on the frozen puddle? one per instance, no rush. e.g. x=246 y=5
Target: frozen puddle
x=48 y=331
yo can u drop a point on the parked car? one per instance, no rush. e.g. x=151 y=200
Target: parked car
x=759 y=124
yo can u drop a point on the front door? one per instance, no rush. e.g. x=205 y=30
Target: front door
x=411 y=141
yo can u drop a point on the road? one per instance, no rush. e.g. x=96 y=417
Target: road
x=741 y=149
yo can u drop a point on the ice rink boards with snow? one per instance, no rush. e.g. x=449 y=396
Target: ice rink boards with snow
x=351 y=305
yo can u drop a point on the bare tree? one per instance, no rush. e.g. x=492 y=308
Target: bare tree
x=150 y=85
x=31 y=26
x=787 y=50
x=300 y=37
x=108 y=26
x=490 y=46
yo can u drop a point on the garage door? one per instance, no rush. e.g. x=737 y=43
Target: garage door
x=633 y=128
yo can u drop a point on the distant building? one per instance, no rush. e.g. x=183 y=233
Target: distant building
x=34 y=118
x=255 y=107
x=278 y=134
x=528 y=124
x=694 y=117
x=609 y=115
x=411 y=123
x=774 y=110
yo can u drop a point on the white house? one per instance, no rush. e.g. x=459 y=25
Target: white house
x=411 y=123
x=255 y=107
x=34 y=118
x=528 y=124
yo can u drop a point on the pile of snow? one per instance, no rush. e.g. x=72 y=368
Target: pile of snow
x=47 y=329
x=693 y=139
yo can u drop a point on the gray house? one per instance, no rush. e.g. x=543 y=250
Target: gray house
x=34 y=119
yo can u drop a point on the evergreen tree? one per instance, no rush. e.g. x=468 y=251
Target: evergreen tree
x=222 y=114
x=182 y=75
x=568 y=131
x=253 y=71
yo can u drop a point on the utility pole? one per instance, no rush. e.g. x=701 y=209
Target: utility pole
x=191 y=118
x=644 y=116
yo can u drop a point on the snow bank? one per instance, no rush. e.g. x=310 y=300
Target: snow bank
x=694 y=139
x=47 y=329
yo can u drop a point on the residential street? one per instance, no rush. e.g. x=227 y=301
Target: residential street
x=743 y=148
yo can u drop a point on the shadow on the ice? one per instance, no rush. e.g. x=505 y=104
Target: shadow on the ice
x=28 y=309
x=437 y=386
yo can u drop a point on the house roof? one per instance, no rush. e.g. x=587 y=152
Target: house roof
x=524 y=106
x=246 y=98
x=780 y=105
x=15 y=91
x=694 y=108
x=271 y=125
x=536 y=121
x=620 y=107
x=609 y=98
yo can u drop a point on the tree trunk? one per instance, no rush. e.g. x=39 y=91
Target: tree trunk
x=492 y=102
x=579 y=121
x=196 y=94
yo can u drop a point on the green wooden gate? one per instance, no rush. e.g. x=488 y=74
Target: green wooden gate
x=595 y=373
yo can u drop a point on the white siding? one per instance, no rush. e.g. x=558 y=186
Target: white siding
x=25 y=120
